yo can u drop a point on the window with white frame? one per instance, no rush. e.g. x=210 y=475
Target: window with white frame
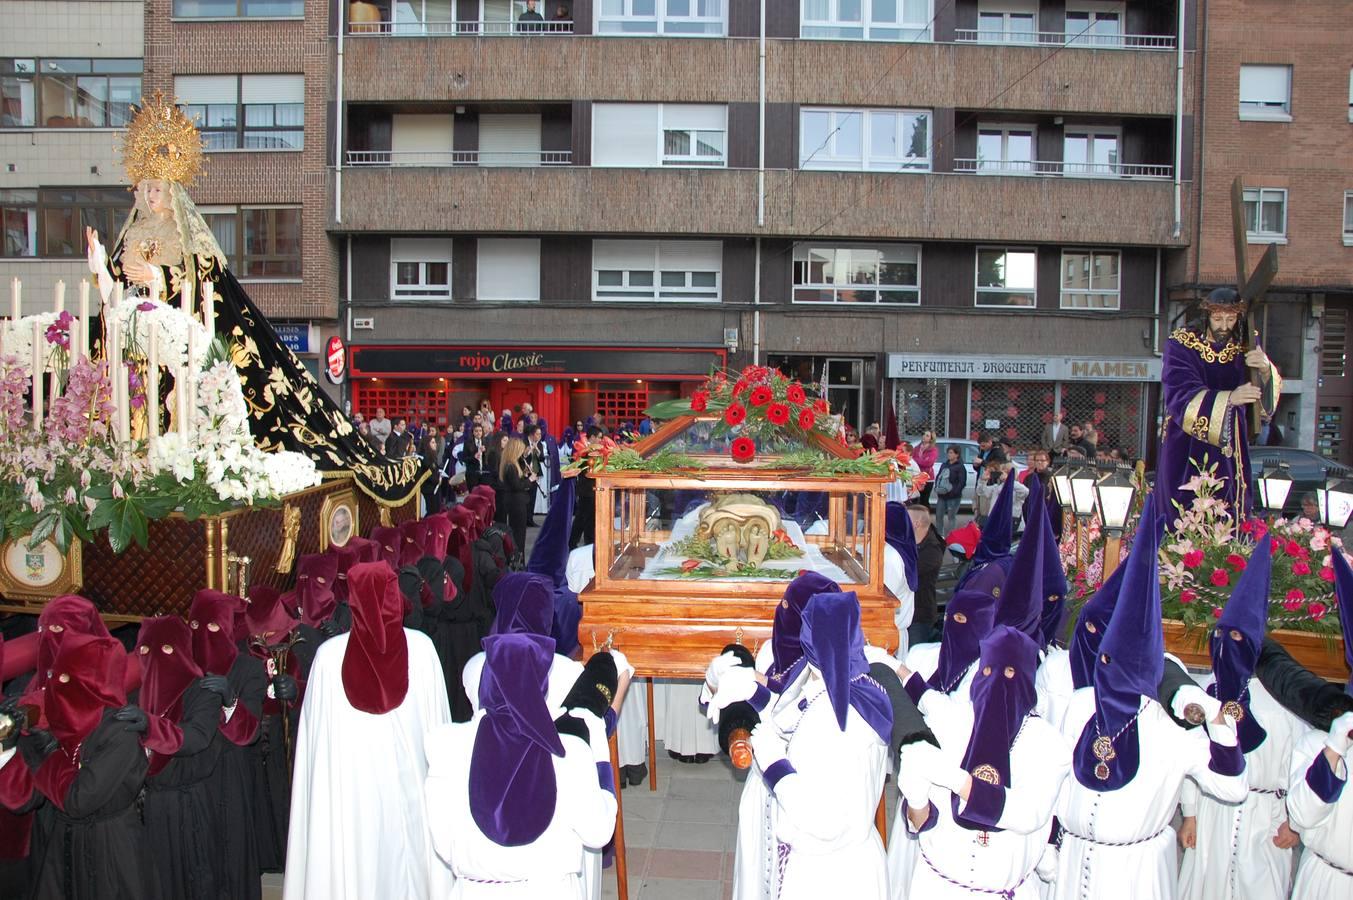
x=1007 y=276
x=420 y=268
x=1091 y=153
x=870 y=20
x=1007 y=21
x=1006 y=148
x=1265 y=215
x=1266 y=93
x=260 y=243
x=876 y=140
x=857 y=273
x=1090 y=279
x=508 y=269
x=659 y=134
x=689 y=271
x=250 y=112
x=667 y=17
x=1348 y=218
x=1094 y=24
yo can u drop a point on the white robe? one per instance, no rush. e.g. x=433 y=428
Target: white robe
x=948 y=852
x=1054 y=685
x=564 y=674
x=1326 y=829
x=358 y=819
x=1118 y=845
x=755 y=869
x=552 y=865
x=825 y=809
x=678 y=720
x=1235 y=858
x=631 y=730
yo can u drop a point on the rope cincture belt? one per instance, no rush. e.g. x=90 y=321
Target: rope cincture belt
x=1334 y=866
x=1087 y=840
x=1003 y=893
x=1279 y=793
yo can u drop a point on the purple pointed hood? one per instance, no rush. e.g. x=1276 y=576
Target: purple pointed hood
x=1054 y=585
x=995 y=543
x=899 y=535
x=786 y=646
x=1130 y=665
x=1003 y=695
x=968 y=619
x=524 y=605
x=512 y=783
x=833 y=643
x=1021 y=603
x=1238 y=637
x=1343 y=594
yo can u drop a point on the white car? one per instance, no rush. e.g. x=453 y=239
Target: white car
x=968 y=452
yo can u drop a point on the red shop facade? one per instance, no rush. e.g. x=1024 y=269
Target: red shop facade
x=563 y=384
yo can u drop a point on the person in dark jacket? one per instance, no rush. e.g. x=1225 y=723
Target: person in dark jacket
x=518 y=489
x=474 y=455
x=585 y=506
x=929 y=558
x=497 y=443
x=949 y=483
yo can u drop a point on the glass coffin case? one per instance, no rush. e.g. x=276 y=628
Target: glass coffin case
x=692 y=558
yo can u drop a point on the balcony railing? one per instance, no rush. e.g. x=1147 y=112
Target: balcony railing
x=437 y=159
x=1067 y=38
x=1063 y=169
x=415 y=28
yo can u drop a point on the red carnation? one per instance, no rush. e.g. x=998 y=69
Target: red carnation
x=1193 y=559
x=794 y=393
x=761 y=396
x=1300 y=568
x=1187 y=596
x=820 y=405
x=1317 y=611
x=735 y=414
x=1296 y=594
x=1216 y=612
x=807 y=420
x=699 y=401
x=1326 y=573
x=742 y=449
x=1292 y=604
x=1220 y=577
x=1236 y=562
x=1295 y=549
x=777 y=413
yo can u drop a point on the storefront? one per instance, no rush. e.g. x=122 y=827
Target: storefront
x=1017 y=396
x=850 y=383
x=563 y=384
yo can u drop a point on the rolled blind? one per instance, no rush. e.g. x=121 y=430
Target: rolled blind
x=1264 y=84
x=204 y=89
x=273 y=89
x=509 y=269
x=625 y=134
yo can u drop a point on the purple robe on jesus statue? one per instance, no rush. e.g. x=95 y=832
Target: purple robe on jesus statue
x=1201 y=426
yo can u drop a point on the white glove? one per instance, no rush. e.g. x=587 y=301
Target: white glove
x=768 y=747
x=879 y=655
x=717 y=667
x=622 y=664
x=1338 y=739
x=1223 y=732
x=939 y=771
x=737 y=684
x=1047 y=864
x=911 y=780
x=1192 y=694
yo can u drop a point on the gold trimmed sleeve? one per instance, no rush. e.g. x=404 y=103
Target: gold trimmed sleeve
x=1203 y=420
x=1273 y=390
x=1216 y=436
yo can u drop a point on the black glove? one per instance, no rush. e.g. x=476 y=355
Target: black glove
x=328 y=628
x=595 y=687
x=12 y=722
x=36 y=746
x=9 y=706
x=219 y=685
x=135 y=717
x=284 y=688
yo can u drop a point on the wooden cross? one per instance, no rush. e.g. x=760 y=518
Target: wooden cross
x=1250 y=285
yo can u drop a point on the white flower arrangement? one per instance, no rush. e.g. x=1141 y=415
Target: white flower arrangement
x=17 y=338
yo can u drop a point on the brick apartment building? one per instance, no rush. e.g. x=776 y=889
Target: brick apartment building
x=1278 y=112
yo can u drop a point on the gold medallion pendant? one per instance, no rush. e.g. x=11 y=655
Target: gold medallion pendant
x=1233 y=710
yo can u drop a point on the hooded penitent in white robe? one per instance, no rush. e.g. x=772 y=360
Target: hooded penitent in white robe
x=1235 y=858
x=358 y=818
x=826 y=842
x=548 y=868
x=1118 y=845
x=949 y=856
x=564 y=674
x=1325 y=823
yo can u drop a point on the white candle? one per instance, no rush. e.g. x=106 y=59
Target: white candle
x=153 y=383
x=186 y=298
x=38 y=366
x=82 y=327
x=60 y=292
x=189 y=396
x=209 y=308
x=15 y=303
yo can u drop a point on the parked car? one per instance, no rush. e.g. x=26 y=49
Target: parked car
x=968 y=452
x=1309 y=472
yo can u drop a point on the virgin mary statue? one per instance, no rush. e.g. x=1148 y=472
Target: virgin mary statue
x=166 y=246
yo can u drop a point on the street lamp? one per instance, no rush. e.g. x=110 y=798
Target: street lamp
x=1335 y=500
x=1082 y=479
x=1061 y=489
x=1275 y=483
x=1114 y=494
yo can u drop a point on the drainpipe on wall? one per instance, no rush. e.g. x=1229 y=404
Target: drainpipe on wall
x=1155 y=318
x=338 y=130
x=760 y=189
x=1178 y=121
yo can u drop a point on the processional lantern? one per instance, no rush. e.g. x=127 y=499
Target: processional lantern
x=1335 y=500
x=1113 y=495
x=1275 y=483
x=1083 y=491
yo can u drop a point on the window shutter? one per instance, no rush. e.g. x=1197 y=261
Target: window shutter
x=623 y=255
x=686 y=116
x=509 y=269
x=625 y=134
x=691 y=256
x=420 y=250
x=273 y=89
x=426 y=136
x=509 y=140
x=1264 y=84
x=204 y=89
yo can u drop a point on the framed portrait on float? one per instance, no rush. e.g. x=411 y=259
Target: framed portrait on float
x=41 y=572
x=338 y=520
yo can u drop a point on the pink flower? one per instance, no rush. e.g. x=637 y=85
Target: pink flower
x=1326 y=573
x=1193 y=559
x=1295 y=549
x=1300 y=568
x=1236 y=562
x=1317 y=611
x=1220 y=578
x=145 y=306
x=1187 y=596
x=1216 y=612
x=1294 y=600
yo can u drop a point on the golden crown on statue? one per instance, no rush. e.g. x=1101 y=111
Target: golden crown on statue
x=162 y=143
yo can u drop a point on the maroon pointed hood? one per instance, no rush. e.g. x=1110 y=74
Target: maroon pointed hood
x=376 y=660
